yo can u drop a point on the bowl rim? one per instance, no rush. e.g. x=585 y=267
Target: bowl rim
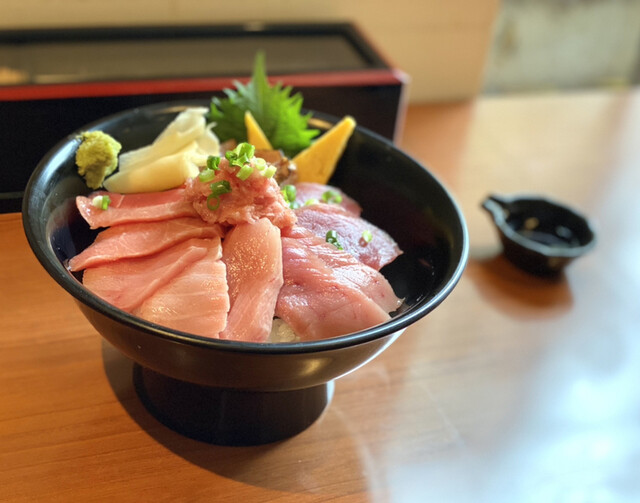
x=63 y=277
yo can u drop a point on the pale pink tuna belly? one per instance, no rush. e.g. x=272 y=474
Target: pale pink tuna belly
x=126 y=283
x=321 y=218
x=253 y=255
x=196 y=301
x=140 y=239
x=147 y=207
x=306 y=191
x=349 y=269
x=315 y=303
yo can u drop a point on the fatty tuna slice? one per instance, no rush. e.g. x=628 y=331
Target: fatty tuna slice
x=144 y=207
x=253 y=256
x=127 y=283
x=140 y=239
x=350 y=229
x=196 y=301
x=306 y=191
x=349 y=269
x=315 y=303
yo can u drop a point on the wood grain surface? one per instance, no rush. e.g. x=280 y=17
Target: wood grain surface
x=515 y=389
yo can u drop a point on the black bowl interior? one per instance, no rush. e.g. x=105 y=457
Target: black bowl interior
x=396 y=193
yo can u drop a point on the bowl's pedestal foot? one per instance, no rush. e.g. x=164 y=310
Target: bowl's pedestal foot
x=227 y=416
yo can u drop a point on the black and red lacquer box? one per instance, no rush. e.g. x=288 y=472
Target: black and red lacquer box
x=54 y=81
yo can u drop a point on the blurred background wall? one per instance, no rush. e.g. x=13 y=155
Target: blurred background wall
x=442 y=45
x=547 y=45
x=451 y=49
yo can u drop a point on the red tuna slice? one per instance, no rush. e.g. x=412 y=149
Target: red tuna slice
x=141 y=239
x=249 y=200
x=146 y=207
x=308 y=191
x=196 y=301
x=321 y=218
x=349 y=269
x=315 y=303
x=128 y=282
x=253 y=255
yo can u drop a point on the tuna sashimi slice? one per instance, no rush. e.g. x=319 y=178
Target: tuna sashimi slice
x=195 y=301
x=349 y=269
x=128 y=282
x=306 y=191
x=315 y=303
x=321 y=218
x=140 y=239
x=145 y=207
x=253 y=255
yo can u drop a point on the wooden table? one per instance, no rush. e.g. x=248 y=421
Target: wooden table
x=515 y=389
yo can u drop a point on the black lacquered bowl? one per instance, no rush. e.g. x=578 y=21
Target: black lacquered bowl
x=238 y=393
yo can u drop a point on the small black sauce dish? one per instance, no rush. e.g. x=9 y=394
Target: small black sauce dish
x=239 y=393
x=538 y=235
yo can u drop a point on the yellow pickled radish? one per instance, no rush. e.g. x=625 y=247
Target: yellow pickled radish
x=317 y=162
x=255 y=134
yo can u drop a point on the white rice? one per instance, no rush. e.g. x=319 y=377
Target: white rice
x=281 y=332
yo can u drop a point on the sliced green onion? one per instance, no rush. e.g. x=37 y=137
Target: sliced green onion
x=331 y=196
x=269 y=171
x=101 y=202
x=207 y=175
x=213 y=206
x=213 y=163
x=240 y=155
x=217 y=189
x=221 y=187
x=332 y=238
x=259 y=163
x=289 y=193
x=244 y=172
x=311 y=202
x=367 y=236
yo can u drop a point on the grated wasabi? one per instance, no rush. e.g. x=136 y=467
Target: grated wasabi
x=96 y=157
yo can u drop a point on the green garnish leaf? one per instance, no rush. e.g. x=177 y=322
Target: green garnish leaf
x=332 y=238
x=367 y=236
x=274 y=107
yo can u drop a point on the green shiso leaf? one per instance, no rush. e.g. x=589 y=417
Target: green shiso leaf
x=274 y=107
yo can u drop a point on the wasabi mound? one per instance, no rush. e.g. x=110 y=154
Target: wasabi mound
x=96 y=157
